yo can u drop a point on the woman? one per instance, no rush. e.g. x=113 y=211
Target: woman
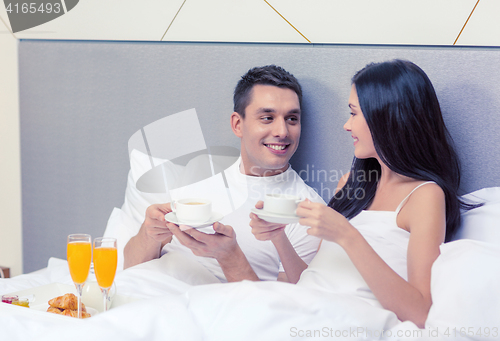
x=398 y=203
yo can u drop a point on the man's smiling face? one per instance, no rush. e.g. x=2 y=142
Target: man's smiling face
x=270 y=131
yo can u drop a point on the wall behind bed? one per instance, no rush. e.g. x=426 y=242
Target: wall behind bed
x=80 y=102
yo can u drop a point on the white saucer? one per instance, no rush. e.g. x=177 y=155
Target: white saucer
x=275 y=218
x=172 y=218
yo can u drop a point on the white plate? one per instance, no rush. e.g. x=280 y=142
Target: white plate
x=44 y=307
x=172 y=218
x=275 y=218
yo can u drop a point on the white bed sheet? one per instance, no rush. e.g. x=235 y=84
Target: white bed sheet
x=169 y=309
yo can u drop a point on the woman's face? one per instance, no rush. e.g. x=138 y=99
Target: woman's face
x=357 y=126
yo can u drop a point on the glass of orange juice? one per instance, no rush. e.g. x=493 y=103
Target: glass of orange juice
x=105 y=262
x=79 y=254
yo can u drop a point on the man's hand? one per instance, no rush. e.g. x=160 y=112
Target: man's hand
x=155 y=226
x=219 y=245
x=222 y=246
x=147 y=244
x=263 y=230
x=291 y=261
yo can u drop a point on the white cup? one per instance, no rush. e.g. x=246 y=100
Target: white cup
x=192 y=210
x=283 y=204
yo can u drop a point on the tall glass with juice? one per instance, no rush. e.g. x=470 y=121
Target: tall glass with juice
x=79 y=255
x=105 y=263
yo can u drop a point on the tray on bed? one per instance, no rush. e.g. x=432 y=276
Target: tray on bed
x=39 y=297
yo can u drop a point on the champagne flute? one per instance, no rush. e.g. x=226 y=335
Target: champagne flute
x=79 y=253
x=105 y=262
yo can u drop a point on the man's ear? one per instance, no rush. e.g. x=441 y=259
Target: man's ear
x=236 y=121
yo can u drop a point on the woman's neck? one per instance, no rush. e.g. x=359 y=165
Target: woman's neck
x=388 y=176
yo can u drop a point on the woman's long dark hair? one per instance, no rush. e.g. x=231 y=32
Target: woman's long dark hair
x=403 y=114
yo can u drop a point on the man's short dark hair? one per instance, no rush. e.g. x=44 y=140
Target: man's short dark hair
x=265 y=75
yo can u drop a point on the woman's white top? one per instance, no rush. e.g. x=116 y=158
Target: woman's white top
x=332 y=270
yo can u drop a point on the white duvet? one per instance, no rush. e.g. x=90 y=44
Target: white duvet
x=465 y=286
x=465 y=289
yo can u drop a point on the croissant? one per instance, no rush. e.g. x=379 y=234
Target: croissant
x=67 y=312
x=67 y=301
x=74 y=313
x=54 y=310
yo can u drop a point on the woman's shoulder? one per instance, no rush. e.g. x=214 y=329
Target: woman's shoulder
x=425 y=205
x=426 y=196
x=427 y=190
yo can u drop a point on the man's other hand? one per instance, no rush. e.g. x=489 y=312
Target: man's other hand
x=263 y=230
x=219 y=245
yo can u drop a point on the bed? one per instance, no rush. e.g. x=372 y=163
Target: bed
x=149 y=302
x=174 y=297
x=151 y=305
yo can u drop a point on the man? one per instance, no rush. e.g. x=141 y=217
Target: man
x=267 y=119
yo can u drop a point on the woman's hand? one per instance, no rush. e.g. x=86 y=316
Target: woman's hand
x=324 y=222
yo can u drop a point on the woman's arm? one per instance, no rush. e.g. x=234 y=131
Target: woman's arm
x=292 y=263
x=424 y=216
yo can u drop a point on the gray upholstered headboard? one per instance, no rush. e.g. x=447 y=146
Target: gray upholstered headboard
x=81 y=101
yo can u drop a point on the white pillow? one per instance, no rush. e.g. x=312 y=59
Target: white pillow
x=136 y=202
x=488 y=194
x=465 y=290
x=482 y=223
x=125 y=223
x=121 y=227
